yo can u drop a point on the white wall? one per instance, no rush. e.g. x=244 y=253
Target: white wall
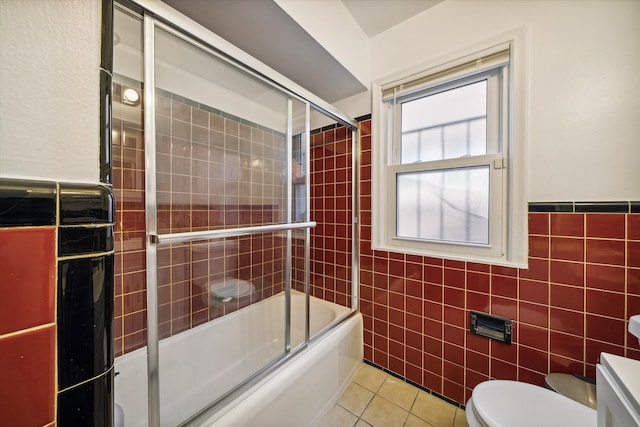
x=49 y=89
x=584 y=57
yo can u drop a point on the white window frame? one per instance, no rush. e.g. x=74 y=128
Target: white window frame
x=508 y=169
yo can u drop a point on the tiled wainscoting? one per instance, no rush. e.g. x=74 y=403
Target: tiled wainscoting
x=56 y=310
x=573 y=302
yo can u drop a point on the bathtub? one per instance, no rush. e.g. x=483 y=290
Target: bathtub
x=199 y=365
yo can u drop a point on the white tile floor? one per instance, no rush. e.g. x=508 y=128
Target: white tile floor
x=376 y=399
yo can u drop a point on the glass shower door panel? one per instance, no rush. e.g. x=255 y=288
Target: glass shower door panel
x=224 y=163
x=221 y=148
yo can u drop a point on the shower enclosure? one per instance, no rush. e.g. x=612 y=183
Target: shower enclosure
x=213 y=170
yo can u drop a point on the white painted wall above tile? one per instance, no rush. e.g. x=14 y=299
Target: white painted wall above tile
x=49 y=89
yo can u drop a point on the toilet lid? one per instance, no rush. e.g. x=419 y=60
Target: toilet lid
x=501 y=403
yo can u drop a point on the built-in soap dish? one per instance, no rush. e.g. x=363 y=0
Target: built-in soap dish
x=487 y=325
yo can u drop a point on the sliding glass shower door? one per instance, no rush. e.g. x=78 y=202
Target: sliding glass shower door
x=220 y=214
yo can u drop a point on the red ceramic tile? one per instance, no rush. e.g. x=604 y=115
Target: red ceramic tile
x=565 y=345
x=396 y=365
x=474 y=378
x=605 y=329
x=539 y=223
x=27 y=277
x=414 y=322
x=433 y=310
x=633 y=254
x=504 y=352
x=414 y=373
x=454 y=278
x=594 y=348
x=454 y=334
x=433 y=292
x=633 y=305
x=478 y=302
x=567 y=248
x=564 y=365
x=504 y=307
x=501 y=370
x=533 y=359
x=531 y=377
x=477 y=267
x=477 y=362
x=478 y=282
x=454 y=297
x=568 y=297
x=605 y=277
x=453 y=354
x=571 y=322
x=454 y=316
x=28 y=391
x=414 y=306
x=606 y=251
x=533 y=291
x=432 y=274
x=633 y=226
x=433 y=328
x=433 y=381
x=606 y=303
x=504 y=286
x=538 y=269
x=396 y=268
x=396 y=349
x=453 y=390
x=567 y=224
x=605 y=225
x=539 y=246
x=413 y=339
x=433 y=354
x=477 y=344
x=533 y=337
x=570 y=273
x=453 y=372
x=533 y=314
x=504 y=271
x=414 y=271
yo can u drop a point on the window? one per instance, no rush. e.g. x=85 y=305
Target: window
x=448 y=172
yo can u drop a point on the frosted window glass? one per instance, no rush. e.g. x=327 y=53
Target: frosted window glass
x=449 y=204
x=445 y=125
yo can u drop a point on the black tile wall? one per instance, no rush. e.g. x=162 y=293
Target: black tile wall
x=551 y=207
x=89 y=404
x=85 y=319
x=86 y=204
x=84 y=240
x=609 y=207
x=27 y=203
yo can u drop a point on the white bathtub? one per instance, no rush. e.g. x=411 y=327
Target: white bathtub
x=198 y=366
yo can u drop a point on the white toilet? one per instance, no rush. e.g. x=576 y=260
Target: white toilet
x=501 y=403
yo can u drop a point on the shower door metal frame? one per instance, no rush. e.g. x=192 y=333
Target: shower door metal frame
x=153 y=239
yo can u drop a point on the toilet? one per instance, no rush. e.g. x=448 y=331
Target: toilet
x=503 y=403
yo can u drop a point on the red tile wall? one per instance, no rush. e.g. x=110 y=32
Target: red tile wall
x=331 y=207
x=213 y=171
x=573 y=302
x=27 y=326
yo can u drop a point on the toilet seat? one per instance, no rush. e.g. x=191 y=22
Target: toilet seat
x=501 y=403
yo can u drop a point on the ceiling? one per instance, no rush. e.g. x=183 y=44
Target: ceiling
x=265 y=31
x=377 y=16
